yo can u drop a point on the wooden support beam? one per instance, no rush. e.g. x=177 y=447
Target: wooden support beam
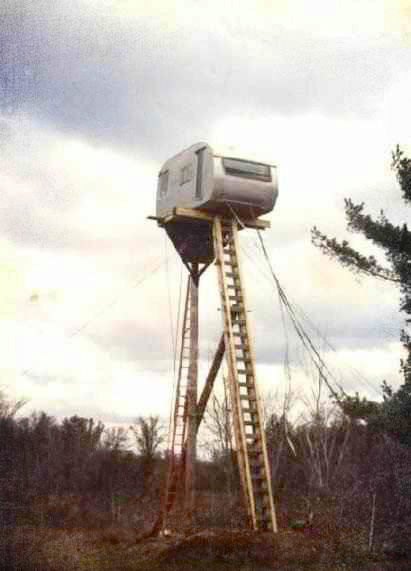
x=191 y=401
x=208 y=387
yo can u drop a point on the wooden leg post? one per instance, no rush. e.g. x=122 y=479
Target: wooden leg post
x=191 y=441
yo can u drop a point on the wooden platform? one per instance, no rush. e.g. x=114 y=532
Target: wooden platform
x=189 y=213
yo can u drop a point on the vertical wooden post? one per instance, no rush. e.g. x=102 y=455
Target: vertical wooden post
x=191 y=442
x=372 y=521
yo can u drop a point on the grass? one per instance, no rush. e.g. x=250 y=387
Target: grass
x=36 y=549
x=117 y=548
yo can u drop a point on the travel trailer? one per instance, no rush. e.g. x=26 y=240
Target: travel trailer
x=199 y=178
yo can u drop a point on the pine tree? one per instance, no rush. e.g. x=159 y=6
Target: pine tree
x=395 y=241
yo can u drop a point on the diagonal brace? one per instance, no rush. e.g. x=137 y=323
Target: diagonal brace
x=208 y=387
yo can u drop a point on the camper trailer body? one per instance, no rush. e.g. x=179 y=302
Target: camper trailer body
x=198 y=178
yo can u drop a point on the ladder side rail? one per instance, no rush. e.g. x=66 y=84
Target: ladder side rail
x=239 y=429
x=180 y=366
x=185 y=357
x=259 y=407
x=173 y=468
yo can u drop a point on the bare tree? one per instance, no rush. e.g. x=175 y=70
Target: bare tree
x=219 y=425
x=148 y=434
x=115 y=438
x=323 y=437
x=9 y=408
x=277 y=408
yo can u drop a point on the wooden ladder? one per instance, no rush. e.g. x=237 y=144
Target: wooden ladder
x=246 y=407
x=175 y=473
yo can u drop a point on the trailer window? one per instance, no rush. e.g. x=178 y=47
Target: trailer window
x=163 y=183
x=247 y=169
x=186 y=174
x=199 y=179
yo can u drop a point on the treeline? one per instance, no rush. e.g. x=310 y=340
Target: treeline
x=338 y=460
x=77 y=473
x=346 y=460
x=60 y=471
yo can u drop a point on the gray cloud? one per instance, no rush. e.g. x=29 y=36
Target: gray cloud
x=140 y=87
x=24 y=221
x=41 y=197
x=149 y=91
x=330 y=324
x=330 y=329
x=129 y=340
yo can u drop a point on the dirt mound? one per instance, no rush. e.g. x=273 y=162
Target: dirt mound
x=246 y=547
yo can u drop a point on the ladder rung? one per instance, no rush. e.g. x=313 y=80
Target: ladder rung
x=264 y=500
x=254 y=450
x=255 y=463
x=260 y=484
x=258 y=476
x=262 y=510
x=256 y=440
x=250 y=423
x=263 y=518
x=254 y=453
x=232 y=263
x=240 y=346
x=244 y=372
x=243 y=359
x=235 y=298
x=264 y=507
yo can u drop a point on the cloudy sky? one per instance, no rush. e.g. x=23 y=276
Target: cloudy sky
x=96 y=94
